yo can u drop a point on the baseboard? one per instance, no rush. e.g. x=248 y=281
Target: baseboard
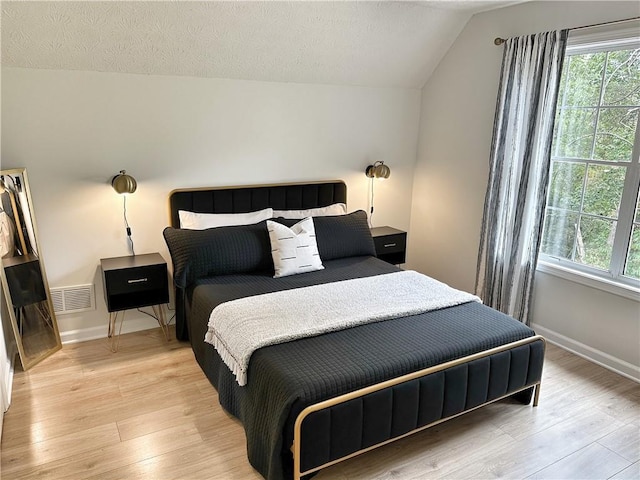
x=93 y=333
x=594 y=355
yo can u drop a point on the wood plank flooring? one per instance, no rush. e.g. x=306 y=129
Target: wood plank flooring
x=148 y=412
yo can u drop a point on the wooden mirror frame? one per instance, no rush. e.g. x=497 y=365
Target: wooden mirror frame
x=31 y=254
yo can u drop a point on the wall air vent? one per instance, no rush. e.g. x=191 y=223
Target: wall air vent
x=79 y=298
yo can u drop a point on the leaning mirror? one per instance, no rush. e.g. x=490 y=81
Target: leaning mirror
x=24 y=282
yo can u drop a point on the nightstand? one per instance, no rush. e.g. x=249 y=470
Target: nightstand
x=134 y=282
x=391 y=244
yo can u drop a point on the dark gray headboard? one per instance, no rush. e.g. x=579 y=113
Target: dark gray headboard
x=293 y=196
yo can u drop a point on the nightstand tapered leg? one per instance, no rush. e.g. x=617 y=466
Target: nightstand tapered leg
x=158 y=310
x=113 y=336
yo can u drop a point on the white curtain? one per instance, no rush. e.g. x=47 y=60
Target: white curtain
x=519 y=171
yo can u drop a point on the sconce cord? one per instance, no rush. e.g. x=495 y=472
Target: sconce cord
x=371 y=180
x=126 y=224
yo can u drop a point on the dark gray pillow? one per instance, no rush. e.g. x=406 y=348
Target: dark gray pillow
x=341 y=236
x=218 y=251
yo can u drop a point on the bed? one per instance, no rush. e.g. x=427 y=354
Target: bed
x=314 y=401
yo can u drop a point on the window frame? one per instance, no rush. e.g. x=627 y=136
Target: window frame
x=612 y=280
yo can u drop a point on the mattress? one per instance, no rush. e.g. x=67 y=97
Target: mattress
x=285 y=378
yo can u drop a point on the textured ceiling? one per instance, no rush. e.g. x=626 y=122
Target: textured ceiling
x=379 y=44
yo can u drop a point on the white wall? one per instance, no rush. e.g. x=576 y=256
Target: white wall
x=74 y=130
x=458 y=107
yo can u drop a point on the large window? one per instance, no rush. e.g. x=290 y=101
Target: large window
x=592 y=219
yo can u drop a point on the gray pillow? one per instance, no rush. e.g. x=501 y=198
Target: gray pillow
x=341 y=236
x=218 y=251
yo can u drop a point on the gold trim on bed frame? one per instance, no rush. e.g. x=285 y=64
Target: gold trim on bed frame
x=296 y=447
x=257 y=185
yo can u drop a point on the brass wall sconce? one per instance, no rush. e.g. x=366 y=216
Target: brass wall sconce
x=124 y=185
x=378 y=170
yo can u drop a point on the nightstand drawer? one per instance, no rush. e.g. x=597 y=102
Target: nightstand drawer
x=138 y=279
x=390 y=243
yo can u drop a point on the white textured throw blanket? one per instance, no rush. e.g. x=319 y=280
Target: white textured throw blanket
x=239 y=327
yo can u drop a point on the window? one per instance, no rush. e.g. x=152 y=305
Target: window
x=592 y=218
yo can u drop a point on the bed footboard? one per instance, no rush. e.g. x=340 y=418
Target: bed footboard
x=348 y=425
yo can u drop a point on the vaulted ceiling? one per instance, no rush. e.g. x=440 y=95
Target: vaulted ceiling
x=376 y=44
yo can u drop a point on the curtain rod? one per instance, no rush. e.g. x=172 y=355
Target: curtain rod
x=500 y=41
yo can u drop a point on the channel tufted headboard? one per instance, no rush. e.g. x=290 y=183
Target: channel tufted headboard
x=294 y=196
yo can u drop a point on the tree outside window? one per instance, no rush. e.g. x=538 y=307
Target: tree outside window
x=592 y=219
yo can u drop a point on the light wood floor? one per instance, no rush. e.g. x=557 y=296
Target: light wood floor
x=148 y=412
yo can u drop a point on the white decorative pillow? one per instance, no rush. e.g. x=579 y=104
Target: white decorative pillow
x=335 y=209
x=202 y=221
x=294 y=250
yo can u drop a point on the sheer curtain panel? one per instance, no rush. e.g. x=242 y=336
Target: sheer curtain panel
x=519 y=171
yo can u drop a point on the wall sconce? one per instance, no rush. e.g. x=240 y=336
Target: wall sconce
x=378 y=170
x=125 y=184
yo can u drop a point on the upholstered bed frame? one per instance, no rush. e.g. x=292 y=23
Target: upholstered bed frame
x=412 y=402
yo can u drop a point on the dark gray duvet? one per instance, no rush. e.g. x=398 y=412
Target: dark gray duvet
x=283 y=379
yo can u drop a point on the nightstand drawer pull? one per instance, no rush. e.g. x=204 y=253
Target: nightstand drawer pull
x=388 y=245
x=137 y=280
